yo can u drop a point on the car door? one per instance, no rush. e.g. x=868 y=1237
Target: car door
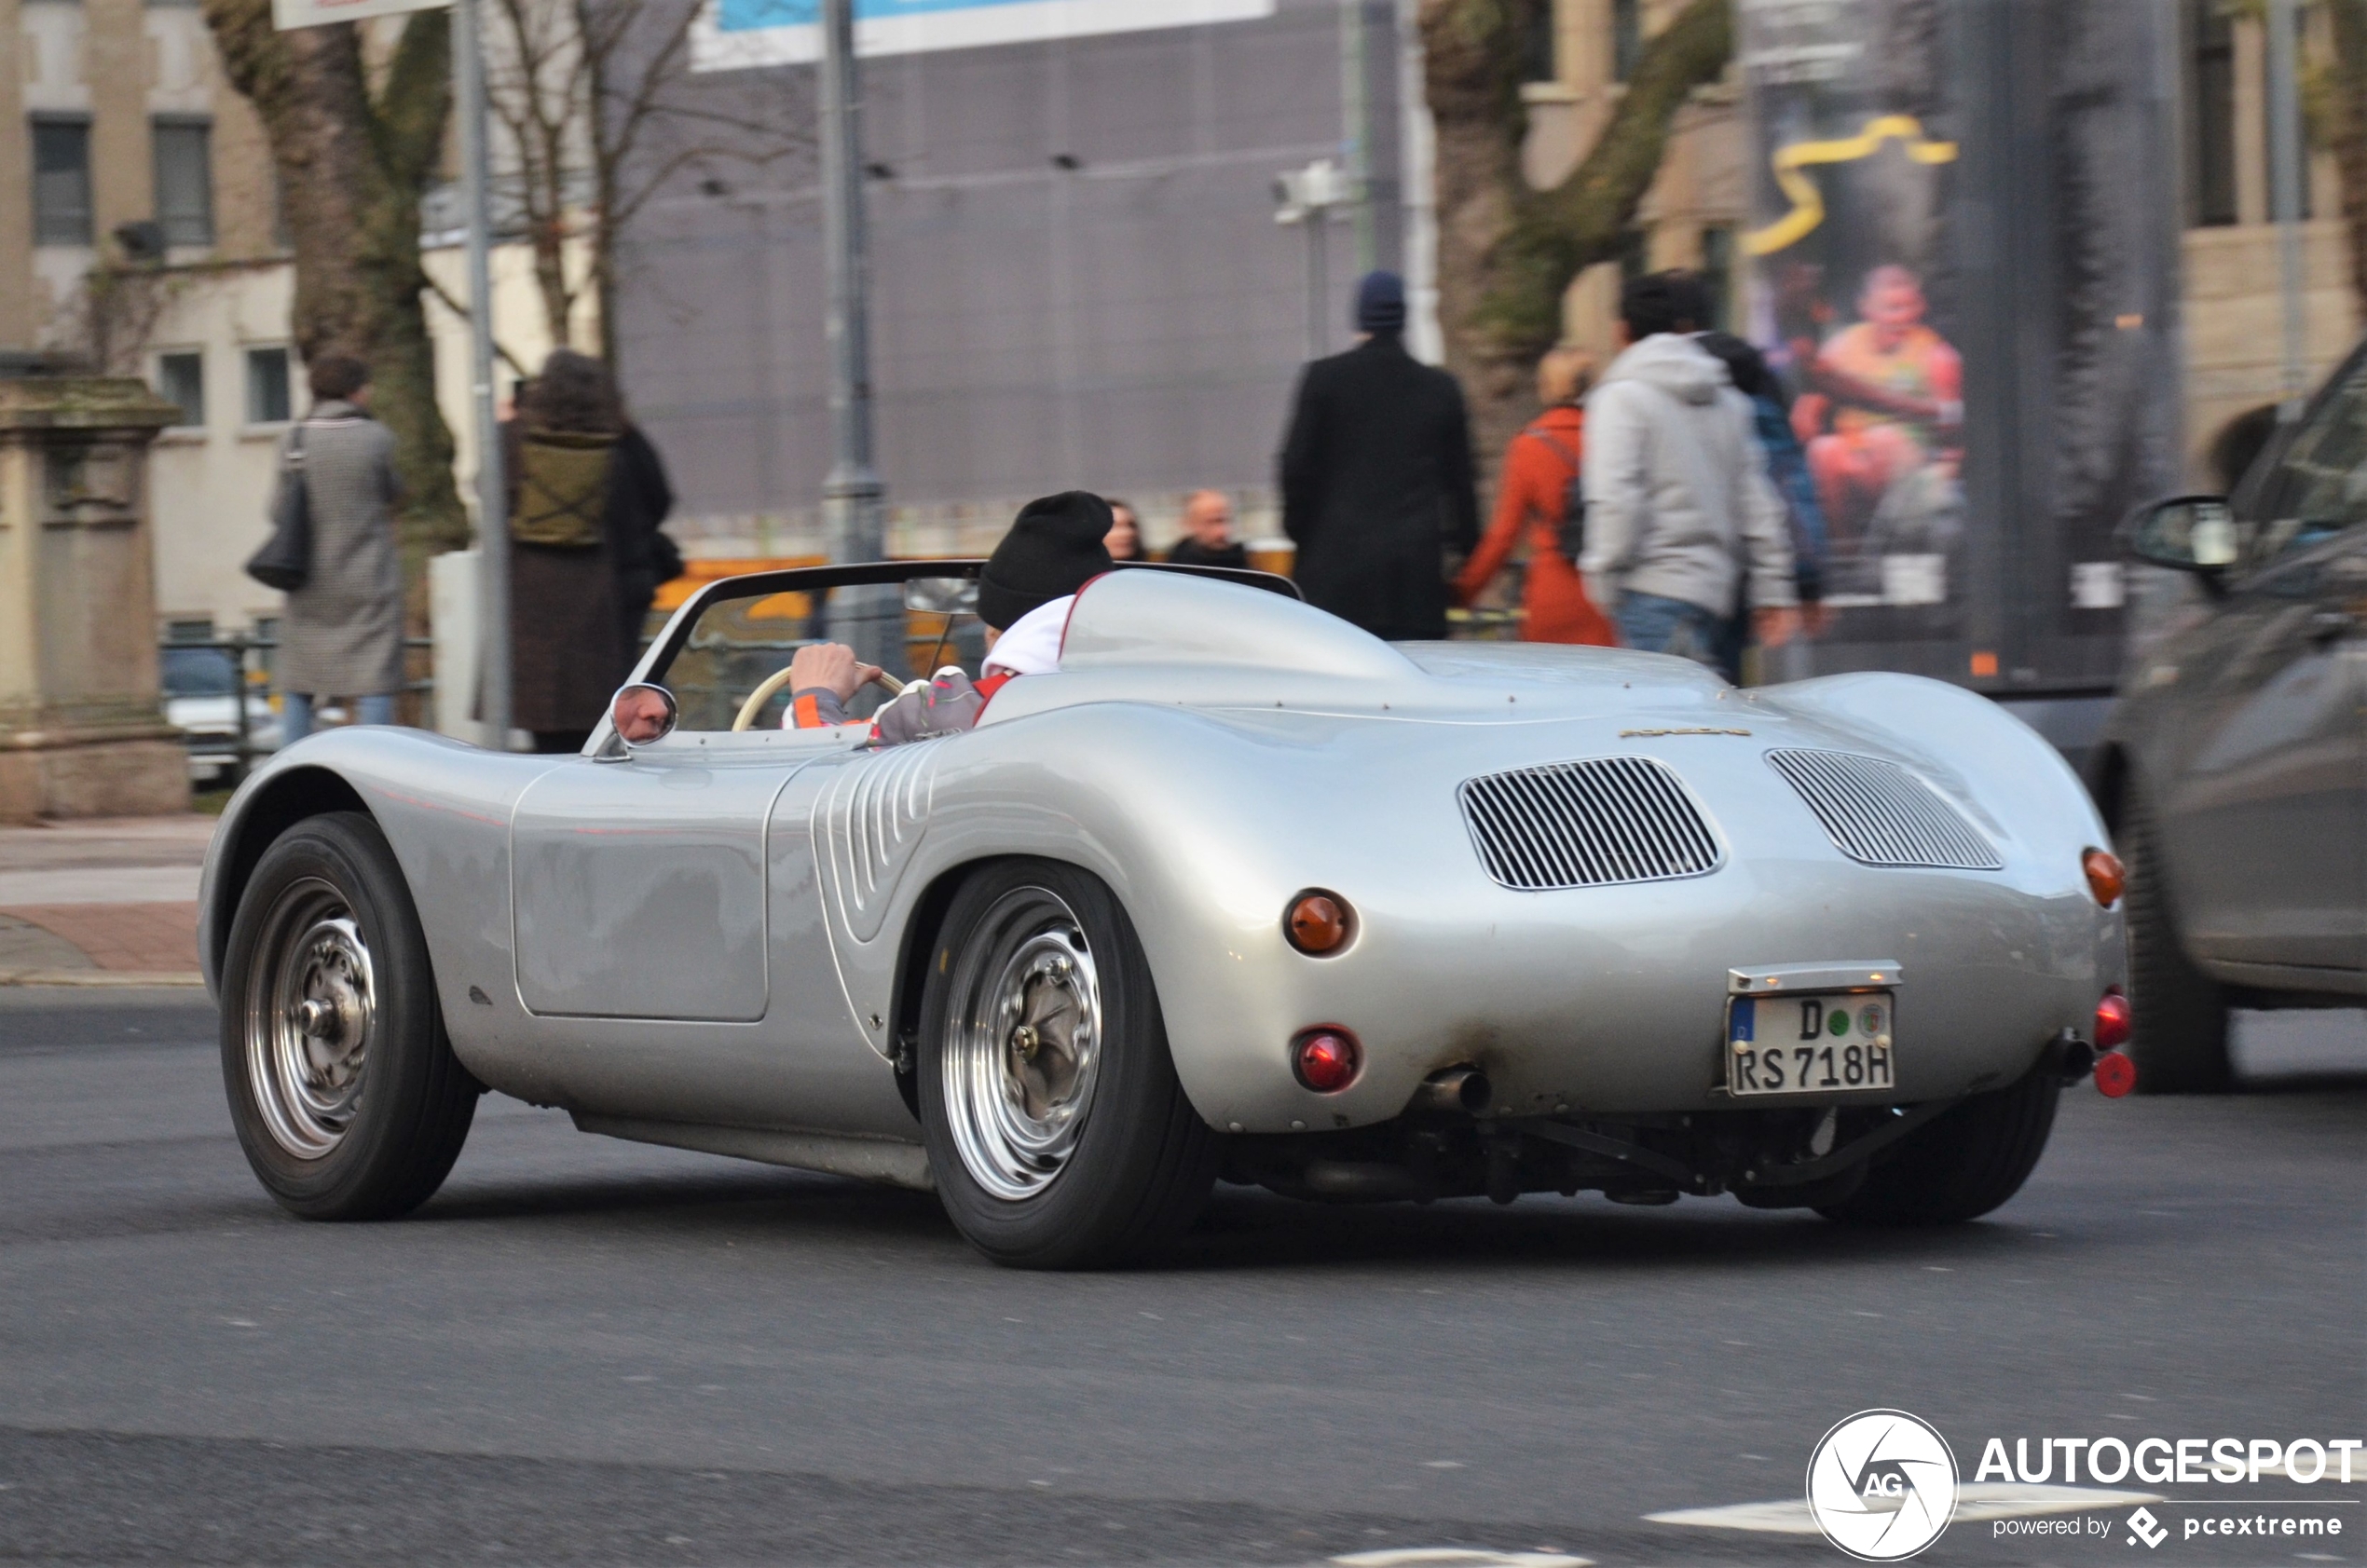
x=2266 y=816
x=638 y=885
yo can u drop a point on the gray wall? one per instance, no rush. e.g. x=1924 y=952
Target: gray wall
x=1134 y=325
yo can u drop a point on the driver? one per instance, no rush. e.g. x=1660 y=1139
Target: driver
x=1054 y=549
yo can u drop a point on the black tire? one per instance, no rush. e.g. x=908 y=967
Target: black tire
x=1963 y=1163
x=1125 y=1163
x=2178 y=1024
x=335 y=1132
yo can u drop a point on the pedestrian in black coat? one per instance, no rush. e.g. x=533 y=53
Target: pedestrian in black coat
x=1377 y=483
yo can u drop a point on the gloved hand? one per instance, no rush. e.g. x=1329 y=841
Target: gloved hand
x=948 y=705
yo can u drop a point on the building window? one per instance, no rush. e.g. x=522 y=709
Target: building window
x=2211 y=116
x=181 y=381
x=1717 y=276
x=266 y=386
x=1627 y=37
x=185 y=181
x=1538 y=63
x=60 y=182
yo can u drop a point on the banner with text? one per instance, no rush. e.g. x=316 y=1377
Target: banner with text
x=734 y=34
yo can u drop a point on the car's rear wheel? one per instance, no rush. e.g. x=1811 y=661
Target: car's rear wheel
x=2178 y=1025
x=343 y=1086
x=1056 y=1128
x=1960 y=1164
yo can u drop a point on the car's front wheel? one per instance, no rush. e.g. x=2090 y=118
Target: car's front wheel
x=1960 y=1164
x=1056 y=1128
x=343 y=1086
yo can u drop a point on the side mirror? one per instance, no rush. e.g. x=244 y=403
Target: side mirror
x=640 y=714
x=942 y=596
x=2187 y=534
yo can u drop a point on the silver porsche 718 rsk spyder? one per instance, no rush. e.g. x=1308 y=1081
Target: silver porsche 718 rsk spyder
x=1241 y=893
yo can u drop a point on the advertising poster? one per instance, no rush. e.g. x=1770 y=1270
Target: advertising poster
x=1853 y=295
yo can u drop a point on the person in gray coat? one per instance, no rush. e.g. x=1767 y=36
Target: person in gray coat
x=1687 y=544
x=341 y=635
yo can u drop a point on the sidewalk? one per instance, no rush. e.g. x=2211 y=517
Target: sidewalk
x=102 y=901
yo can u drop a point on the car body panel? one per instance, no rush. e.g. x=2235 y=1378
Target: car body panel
x=1210 y=752
x=2244 y=723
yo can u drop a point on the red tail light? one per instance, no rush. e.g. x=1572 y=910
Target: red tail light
x=2112 y=1020
x=1326 y=1060
x=2116 y=1074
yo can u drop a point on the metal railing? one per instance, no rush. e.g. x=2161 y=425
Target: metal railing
x=250 y=663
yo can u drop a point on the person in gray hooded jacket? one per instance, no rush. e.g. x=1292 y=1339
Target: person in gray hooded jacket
x=1684 y=529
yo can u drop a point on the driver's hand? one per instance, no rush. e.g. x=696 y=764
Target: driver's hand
x=831 y=665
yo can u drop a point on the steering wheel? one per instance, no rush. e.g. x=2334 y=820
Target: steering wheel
x=771 y=684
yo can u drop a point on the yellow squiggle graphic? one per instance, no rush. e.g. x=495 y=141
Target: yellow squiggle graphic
x=1808 y=202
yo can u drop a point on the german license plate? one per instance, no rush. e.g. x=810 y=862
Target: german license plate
x=1810 y=1044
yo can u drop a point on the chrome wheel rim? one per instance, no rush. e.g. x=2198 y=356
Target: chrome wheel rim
x=311 y=1006
x=1023 y=1044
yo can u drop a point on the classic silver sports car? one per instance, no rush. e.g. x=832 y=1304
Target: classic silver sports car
x=1242 y=892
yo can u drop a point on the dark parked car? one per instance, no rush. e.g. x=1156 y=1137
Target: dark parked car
x=2233 y=769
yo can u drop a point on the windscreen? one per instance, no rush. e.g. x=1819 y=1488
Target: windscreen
x=738 y=641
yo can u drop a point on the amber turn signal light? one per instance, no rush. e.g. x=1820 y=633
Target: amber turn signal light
x=1326 y=1060
x=1318 y=922
x=2106 y=876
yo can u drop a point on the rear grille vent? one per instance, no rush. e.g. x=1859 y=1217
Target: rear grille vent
x=1881 y=814
x=1582 y=825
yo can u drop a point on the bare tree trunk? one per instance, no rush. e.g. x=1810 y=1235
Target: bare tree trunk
x=352 y=166
x=1508 y=253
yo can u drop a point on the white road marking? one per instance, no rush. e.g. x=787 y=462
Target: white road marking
x=1975 y=1502
x=1458 y=1557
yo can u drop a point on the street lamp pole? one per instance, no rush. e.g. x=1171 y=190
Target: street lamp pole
x=493 y=523
x=870 y=618
x=2285 y=175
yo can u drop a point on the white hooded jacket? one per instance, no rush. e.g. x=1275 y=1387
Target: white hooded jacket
x=1678 y=502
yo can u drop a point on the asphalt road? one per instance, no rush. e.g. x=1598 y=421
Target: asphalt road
x=586 y=1350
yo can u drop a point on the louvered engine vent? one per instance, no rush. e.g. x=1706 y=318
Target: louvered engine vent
x=1881 y=814
x=1582 y=825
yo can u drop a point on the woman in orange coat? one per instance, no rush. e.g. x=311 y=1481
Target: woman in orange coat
x=1530 y=492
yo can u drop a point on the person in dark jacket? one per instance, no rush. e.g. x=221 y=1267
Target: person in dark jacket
x=1207 y=534
x=1787 y=466
x=1125 y=538
x=587 y=492
x=1377 y=480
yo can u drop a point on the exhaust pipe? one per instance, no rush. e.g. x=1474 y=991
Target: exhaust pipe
x=1454 y=1088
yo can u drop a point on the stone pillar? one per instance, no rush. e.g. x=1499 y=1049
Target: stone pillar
x=82 y=732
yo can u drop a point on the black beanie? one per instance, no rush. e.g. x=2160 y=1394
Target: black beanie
x=1054 y=547
x=1380 y=304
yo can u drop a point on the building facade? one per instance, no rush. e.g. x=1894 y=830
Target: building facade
x=1077 y=274
x=121 y=141
x=2233 y=311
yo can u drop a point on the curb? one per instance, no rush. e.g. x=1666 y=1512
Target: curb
x=146 y=979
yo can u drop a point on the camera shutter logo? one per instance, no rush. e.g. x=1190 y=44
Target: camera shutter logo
x=1881 y=1485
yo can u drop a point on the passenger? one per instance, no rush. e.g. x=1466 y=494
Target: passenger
x=1054 y=547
